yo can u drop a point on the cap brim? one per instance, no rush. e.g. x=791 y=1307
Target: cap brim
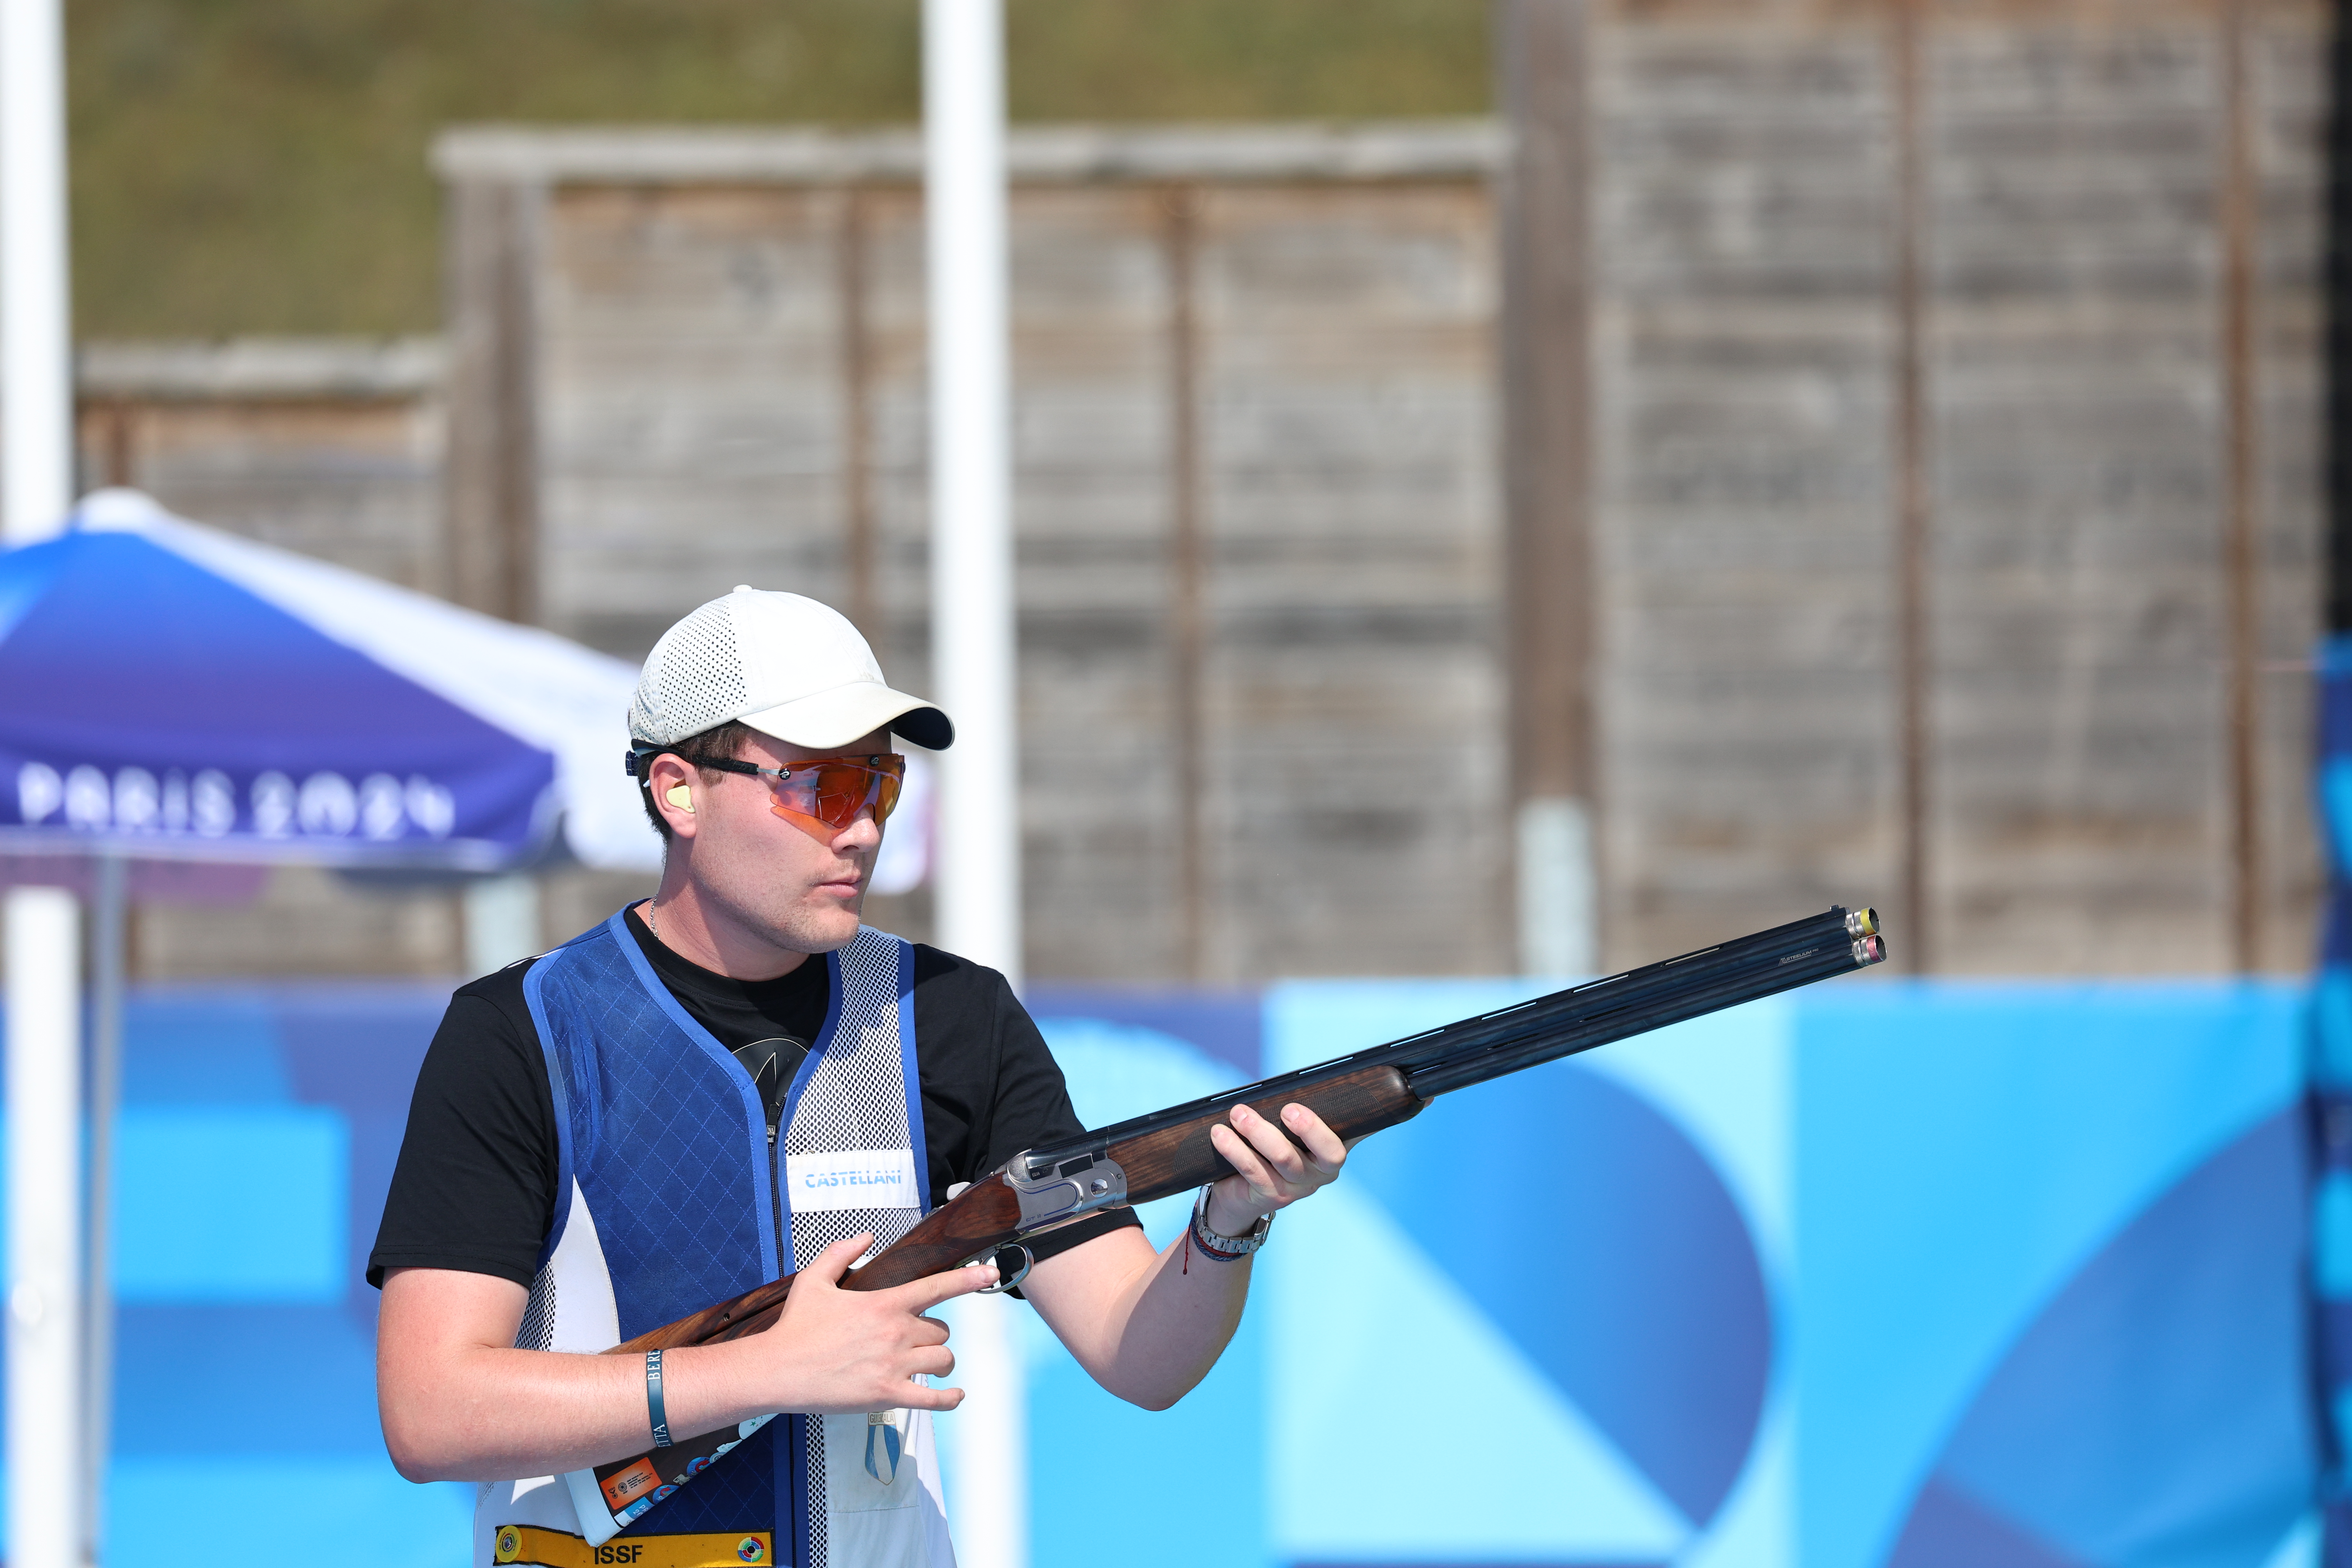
x=828 y=719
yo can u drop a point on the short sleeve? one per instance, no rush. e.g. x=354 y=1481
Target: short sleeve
x=474 y=1188
x=1033 y=1106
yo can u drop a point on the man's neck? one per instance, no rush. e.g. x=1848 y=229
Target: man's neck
x=688 y=927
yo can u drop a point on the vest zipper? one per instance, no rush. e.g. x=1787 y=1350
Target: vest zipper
x=776 y=1202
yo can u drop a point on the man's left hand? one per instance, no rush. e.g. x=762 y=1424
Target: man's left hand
x=1277 y=1165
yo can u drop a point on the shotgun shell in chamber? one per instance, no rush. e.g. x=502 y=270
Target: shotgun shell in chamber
x=1868 y=950
x=1862 y=923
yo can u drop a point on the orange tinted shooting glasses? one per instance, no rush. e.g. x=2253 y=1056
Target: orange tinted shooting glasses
x=823 y=795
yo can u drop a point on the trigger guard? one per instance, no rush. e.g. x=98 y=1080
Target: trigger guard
x=1004 y=1281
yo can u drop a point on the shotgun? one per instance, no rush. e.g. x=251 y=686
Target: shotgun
x=1169 y=1151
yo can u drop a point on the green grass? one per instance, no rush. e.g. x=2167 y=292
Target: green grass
x=259 y=165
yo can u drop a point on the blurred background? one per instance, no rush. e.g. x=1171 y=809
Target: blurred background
x=1502 y=490
x=1888 y=490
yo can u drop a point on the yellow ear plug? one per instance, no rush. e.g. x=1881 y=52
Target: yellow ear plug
x=681 y=797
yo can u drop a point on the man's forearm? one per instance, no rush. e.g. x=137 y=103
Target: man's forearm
x=489 y=1413
x=1146 y=1326
x=1183 y=1319
x=458 y=1406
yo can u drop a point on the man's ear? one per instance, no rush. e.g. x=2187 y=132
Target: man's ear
x=673 y=790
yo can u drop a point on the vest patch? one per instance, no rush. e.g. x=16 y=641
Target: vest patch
x=528 y=1544
x=851 y=1179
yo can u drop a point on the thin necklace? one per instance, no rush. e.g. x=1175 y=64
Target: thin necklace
x=650 y=919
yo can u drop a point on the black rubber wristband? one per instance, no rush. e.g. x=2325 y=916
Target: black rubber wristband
x=654 y=1410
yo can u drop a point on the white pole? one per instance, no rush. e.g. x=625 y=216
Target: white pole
x=1558 y=936
x=988 y=1489
x=971 y=533
x=35 y=368
x=110 y=920
x=979 y=878
x=43 y=937
x=44 y=1088
x=501 y=921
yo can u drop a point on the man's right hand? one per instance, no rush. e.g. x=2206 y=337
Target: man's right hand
x=843 y=1353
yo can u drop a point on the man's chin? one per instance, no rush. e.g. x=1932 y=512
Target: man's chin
x=831 y=925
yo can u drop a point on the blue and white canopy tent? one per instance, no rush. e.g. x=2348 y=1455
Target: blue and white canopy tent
x=179 y=693
x=169 y=692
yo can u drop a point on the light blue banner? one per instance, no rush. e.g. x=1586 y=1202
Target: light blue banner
x=1876 y=1275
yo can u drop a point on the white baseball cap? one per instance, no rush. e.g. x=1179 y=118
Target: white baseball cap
x=786 y=666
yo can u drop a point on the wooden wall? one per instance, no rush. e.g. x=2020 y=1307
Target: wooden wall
x=1953 y=492
x=1258 y=529
x=329 y=447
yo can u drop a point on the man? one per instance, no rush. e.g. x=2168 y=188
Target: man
x=728 y=1081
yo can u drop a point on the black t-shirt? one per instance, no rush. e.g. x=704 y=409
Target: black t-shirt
x=475 y=1187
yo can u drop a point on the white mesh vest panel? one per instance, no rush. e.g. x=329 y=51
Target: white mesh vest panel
x=882 y=1506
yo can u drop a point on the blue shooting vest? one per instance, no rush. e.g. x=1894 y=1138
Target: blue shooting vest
x=671 y=1198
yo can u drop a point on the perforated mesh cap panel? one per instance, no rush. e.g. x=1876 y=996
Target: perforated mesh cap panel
x=693 y=679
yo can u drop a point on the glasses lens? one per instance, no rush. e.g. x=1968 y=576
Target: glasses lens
x=842 y=790
x=836 y=794
x=870 y=784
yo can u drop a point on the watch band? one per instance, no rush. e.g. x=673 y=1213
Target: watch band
x=1226 y=1248
x=654 y=1410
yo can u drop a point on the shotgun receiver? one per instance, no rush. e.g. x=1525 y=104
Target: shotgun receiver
x=1168 y=1151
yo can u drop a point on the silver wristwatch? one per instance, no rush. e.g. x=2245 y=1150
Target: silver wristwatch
x=1226 y=1248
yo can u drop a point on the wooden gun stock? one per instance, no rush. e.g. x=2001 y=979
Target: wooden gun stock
x=987 y=1214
